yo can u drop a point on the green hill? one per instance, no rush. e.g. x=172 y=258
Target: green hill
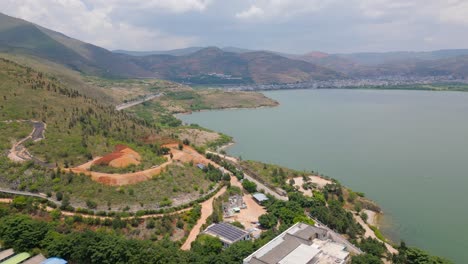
x=78 y=127
x=202 y=66
x=21 y=37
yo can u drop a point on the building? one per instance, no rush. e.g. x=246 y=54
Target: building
x=301 y=244
x=260 y=197
x=227 y=233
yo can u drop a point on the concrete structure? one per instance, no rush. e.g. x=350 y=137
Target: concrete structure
x=18 y=258
x=260 y=197
x=301 y=244
x=6 y=253
x=227 y=233
x=38 y=259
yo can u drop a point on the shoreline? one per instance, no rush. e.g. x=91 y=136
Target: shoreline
x=226 y=108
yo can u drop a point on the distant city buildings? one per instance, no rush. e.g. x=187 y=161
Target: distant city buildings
x=381 y=81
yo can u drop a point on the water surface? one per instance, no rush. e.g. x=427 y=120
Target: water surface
x=407 y=150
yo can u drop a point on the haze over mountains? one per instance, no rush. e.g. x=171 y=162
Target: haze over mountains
x=212 y=65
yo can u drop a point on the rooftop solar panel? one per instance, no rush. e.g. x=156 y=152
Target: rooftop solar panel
x=227 y=231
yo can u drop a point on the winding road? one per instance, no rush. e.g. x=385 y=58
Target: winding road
x=20 y=153
x=137 y=102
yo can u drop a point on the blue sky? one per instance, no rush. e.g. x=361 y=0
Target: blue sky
x=294 y=26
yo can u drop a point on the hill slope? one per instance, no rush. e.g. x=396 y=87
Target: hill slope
x=21 y=37
x=78 y=127
x=195 y=65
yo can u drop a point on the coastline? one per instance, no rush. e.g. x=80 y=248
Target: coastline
x=374 y=219
x=226 y=108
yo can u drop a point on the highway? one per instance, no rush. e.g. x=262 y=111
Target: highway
x=137 y=102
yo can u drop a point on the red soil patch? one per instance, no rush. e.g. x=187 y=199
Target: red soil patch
x=187 y=154
x=122 y=156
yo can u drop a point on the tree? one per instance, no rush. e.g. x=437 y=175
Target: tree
x=366 y=259
x=59 y=196
x=207 y=245
x=22 y=233
x=268 y=221
x=373 y=246
x=249 y=186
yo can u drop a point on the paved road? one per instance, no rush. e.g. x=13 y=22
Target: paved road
x=30 y=194
x=20 y=153
x=137 y=102
x=261 y=186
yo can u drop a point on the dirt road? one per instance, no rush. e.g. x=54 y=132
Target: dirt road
x=206 y=211
x=370 y=233
x=19 y=153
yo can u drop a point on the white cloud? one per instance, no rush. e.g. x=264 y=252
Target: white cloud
x=270 y=9
x=253 y=11
x=92 y=22
x=455 y=12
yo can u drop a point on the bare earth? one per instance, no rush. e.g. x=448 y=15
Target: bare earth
x=248 y=216
x=197 y=136
x=321 y=182
x=114 y=179
x=371 y=234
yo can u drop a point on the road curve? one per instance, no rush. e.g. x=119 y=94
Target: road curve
x=137 y=102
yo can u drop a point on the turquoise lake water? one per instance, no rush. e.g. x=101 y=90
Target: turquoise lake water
x=407 y=150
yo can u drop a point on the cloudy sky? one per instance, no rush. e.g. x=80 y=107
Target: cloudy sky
x=294 y=26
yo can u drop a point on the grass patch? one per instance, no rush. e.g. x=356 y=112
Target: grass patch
x=377 y=233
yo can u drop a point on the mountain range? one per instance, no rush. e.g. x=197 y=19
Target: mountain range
x=230 y=65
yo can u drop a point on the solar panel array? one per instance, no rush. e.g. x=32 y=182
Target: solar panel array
x=227 y=231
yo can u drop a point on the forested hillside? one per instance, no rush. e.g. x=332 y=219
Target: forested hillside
x=78 y=127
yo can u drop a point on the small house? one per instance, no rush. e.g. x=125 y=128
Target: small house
x=260 y=197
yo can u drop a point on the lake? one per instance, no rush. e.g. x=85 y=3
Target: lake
x=407 y=150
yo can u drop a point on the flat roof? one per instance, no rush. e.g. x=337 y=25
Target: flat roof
x=226 y=232
x=6 y=253
x=301 y=255
x=301 y=243
x=260 y=197
x=38 y=259
x=17 y=258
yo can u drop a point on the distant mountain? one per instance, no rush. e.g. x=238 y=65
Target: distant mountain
x=431 y=63
x=175 y=52
x=193 y=65
x=19 y=36
x=178 y=52
x=373 y=58
x=213 y=65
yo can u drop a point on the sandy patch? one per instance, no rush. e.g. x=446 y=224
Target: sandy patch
x=250 y=214
x=372 y=217
x=298 y=182
x=319 y=181
x=197 y=136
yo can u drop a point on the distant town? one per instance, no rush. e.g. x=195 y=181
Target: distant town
x=381 y=81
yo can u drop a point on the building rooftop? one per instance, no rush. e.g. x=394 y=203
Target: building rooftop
x=300 y=244
x=260 y=197
x=226 y=232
